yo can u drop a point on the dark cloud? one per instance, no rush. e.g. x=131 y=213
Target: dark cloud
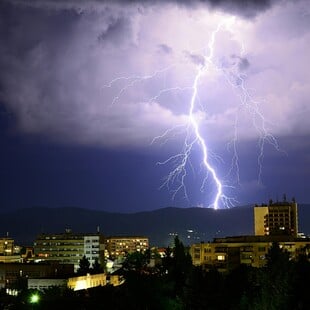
x=54 y=65
x=242 y=62
x=195 y=58
x=246 y=8
x=62 y=64
x=117 y=29
x=164 y=48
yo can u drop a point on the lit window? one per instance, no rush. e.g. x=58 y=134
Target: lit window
x=221 y=257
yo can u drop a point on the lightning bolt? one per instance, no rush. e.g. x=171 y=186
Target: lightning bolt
x=237 y=81
x=193 y=135
x=180 y=170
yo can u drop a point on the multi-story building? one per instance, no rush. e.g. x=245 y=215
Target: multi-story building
x=6 y=246
x=276 y=222
x=279 y=218
x=94 y=248
x=69 y=248
x=121 y=245
x=9 y=253
x=229 y=252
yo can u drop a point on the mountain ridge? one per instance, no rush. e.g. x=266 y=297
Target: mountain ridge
x=160 y=225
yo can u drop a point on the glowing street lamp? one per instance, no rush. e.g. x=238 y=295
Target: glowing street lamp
x=34 y=298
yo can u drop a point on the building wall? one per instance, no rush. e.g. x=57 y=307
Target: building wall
x=121 y=245
x=42 y=284
x=76 y=283
x=69 y=248
x=6 y=246
x=12 y=272
x=10 y=259
x=259 y=220
x=94 y=248
x=88 y=281
x=228 y=253
x=280 y=218
x=115 y=280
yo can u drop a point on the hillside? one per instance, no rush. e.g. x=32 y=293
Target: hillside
x=191 y=224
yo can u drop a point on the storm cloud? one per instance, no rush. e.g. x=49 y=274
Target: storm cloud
x=119 y=73
x=92 y=83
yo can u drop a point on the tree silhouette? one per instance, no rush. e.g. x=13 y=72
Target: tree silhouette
x=96 y=267
x=177 y=264
x=274 y=281
x=84 y=266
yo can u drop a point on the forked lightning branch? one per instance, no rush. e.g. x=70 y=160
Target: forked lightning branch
x=180 y=163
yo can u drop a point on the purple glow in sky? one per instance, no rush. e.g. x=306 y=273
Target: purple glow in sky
x=59 y=61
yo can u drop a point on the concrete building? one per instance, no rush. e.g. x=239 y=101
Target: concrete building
x=121 y=245
x=76 y=283
x=69 y=248
x=42 y=284
x=9 y=252
x=276 y=222
x=230 y=252
x=94 y=248
x=88 y=281
x=279 y=218
x=6 y=246
x=12 y=274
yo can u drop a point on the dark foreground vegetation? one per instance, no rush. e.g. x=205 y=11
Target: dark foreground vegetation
x=177 y=284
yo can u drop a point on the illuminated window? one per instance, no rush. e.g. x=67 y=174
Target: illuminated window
x=221 y=257
x=246 y=256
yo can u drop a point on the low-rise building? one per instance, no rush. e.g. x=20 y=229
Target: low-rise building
x=94 y=280
x=229 y=252
x=76 y=283
x=87 y=281
x=14 y=274
x=42 y=284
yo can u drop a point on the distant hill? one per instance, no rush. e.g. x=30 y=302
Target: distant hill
x=191 y=224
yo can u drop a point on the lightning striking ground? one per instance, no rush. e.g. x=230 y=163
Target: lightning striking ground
x=193 y=136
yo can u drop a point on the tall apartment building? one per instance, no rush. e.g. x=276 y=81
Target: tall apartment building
x=69 y=248
x=279 y=218
x=276 y=222
x=121 y=245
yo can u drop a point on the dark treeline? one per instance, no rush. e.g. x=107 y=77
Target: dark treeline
x=177 y=284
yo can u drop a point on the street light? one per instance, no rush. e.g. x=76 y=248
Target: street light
x=34 y=298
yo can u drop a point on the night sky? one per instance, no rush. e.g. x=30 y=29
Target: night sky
x=86 y=86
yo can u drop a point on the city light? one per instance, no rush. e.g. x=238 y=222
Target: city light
x=34 y=298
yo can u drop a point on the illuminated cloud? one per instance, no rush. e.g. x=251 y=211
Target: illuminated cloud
x=57 y=59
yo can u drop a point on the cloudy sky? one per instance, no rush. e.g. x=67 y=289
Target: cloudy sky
x=95 y=101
